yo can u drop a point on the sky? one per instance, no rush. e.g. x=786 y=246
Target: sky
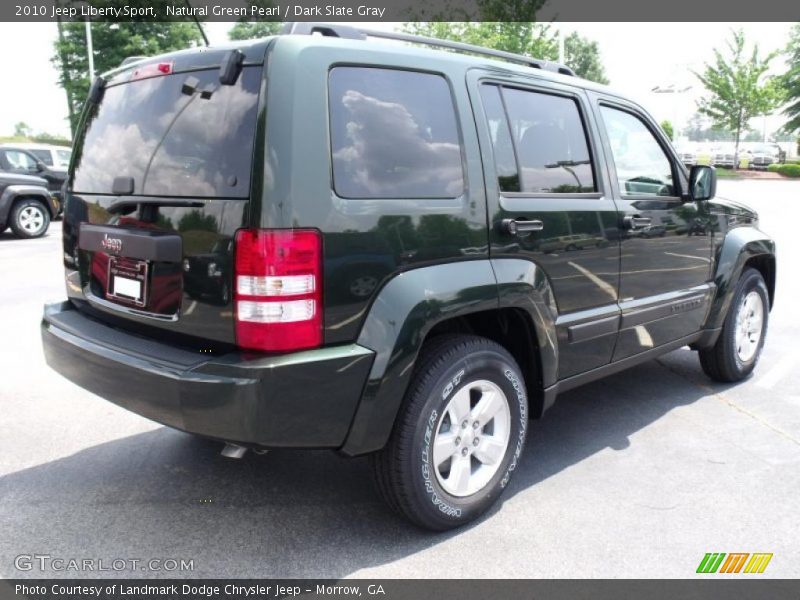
x=637 y=57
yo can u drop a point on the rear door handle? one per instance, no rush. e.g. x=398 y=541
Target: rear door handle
x=635 y=221
x=515 y=227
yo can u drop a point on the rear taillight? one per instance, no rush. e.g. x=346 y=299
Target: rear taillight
x=278 y=289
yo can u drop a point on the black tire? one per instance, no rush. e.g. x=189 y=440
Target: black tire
x=404 y=473
x=722 y=362
x=30 y=218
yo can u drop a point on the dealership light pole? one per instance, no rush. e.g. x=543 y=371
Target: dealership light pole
x=89 y=48
x=672 y=89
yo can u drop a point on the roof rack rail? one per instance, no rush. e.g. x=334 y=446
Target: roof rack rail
x=326 y=29
x=343 y=31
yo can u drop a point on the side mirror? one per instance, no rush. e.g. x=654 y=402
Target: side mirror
x=40 y=166
x=702 y=183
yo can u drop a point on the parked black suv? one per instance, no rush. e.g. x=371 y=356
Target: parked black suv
x=400 y=285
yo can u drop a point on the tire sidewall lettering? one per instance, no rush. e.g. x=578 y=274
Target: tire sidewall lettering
x=523 y=423
x=426 y=468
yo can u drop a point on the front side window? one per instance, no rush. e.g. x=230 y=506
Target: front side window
x=393 y=135
x=642 y=167
x=551 y=144
x=505 y=162
x=15 y=160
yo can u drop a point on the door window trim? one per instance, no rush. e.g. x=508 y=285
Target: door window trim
x=582 y=113
x=676 y=180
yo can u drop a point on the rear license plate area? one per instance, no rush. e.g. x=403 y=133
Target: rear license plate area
x=127 y=281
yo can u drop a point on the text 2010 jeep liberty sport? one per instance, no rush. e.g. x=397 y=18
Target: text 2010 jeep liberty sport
x=326 y=242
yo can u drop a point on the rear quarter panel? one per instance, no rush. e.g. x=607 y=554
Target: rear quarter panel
x=367 y=242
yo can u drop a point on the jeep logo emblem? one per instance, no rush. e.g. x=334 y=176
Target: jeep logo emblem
x=111 y=244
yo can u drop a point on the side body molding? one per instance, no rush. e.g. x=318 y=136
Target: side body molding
x=407 y=308
x=740 y=245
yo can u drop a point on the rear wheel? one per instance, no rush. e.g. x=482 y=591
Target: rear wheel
x=459 y=435
x=29 y=219
x=738 y=348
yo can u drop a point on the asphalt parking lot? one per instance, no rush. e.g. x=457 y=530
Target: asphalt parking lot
x=638 y=475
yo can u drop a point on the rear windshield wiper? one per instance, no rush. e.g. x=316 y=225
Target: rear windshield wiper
x=128 y=205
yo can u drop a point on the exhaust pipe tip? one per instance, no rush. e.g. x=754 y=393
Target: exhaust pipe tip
x=233 y=451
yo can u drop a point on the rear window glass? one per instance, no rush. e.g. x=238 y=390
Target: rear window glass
x=393 y=135
x=172 y=137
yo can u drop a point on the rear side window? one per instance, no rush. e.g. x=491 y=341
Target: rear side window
x=178 y=135
x=550 y=141
x=393 y=135
x=505 y=161
x=44 y=156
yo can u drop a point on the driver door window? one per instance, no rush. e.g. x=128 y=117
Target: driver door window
x=21 y=162
x=642 y=167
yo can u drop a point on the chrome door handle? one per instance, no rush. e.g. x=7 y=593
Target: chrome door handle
x=635 y=221
x=515 y=227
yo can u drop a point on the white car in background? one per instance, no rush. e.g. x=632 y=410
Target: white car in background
x=724 y=156
x=687 y=154
x=704 y=155
x=56 y=157
x=763 y=155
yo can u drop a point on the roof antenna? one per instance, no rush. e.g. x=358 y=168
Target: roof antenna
x=196 y=22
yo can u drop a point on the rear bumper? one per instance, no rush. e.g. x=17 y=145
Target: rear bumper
x=305 y=400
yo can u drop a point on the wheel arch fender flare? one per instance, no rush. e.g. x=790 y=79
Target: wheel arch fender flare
x=740 y=246
x=412 y=303
x=14 y=192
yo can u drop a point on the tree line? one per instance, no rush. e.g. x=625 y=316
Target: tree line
x=738 y=81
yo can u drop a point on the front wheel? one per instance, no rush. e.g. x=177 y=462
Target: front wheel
x=459 y=435
x=738 y=348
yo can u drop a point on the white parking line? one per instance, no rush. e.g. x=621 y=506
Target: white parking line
x=603 y=285
x=778 y=372
x=191 y=308
x=689 y=256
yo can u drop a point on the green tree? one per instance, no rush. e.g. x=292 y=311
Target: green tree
x=196 y=221
x=22 y=129
x=532 y=39
x=248 y=30
x=738 y=87
x=791 y=81
x=667 y=127
x=112 y=43
x=528 y=38
x=582 y=55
